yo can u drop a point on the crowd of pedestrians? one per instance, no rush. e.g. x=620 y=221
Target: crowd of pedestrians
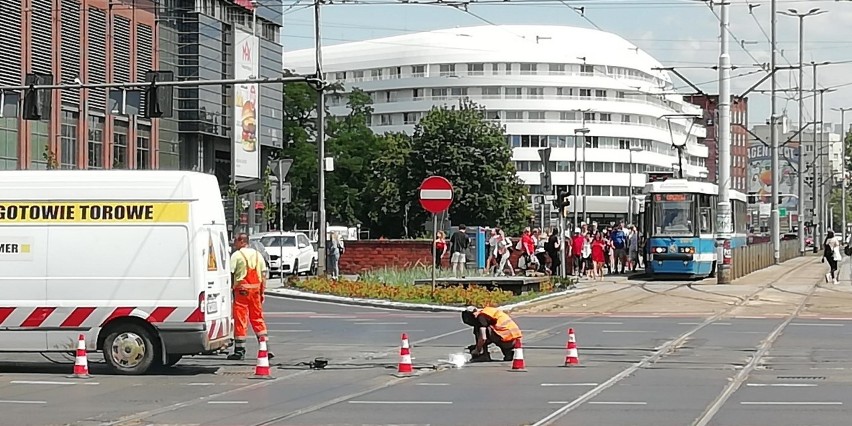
x=589 y=250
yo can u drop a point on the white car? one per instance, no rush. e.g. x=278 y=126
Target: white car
x=299 y=256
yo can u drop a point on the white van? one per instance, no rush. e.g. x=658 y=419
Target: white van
x=137 y=261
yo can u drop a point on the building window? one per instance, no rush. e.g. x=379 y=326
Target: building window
x=395 y=72
x=409 y=118
x=619 y=95
x=119 y=144
x=447 y=70
x=605 y=117
x=564 y=91
x=491 y=92
x=376 y=74
x=440 y=93
x=535 y=92
x=418 y=71
x=143 y=147
x=513 y=92
x=508 y=68
x=68 y=150
x=567 y=116
x=340 y=76
x=585 y=93
x=385 y=120
x=514 y=115
x=626 y=118
x=39 y=137
x=357 y=75
x=587 y=69
x=458 y=91
x=536 y=115
x=475 y=69
x=589 y=116
x=96 y=142
x=8 y=144
x=556 y=68
x=600 y=94
x=527 y=69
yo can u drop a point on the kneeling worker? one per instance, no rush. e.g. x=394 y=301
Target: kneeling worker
x=491 y=325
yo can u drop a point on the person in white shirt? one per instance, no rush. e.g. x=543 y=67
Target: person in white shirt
x=831 y=255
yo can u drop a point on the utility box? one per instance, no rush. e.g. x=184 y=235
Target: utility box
x=476 y=255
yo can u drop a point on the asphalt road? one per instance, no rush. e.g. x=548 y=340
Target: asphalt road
x=651 y=369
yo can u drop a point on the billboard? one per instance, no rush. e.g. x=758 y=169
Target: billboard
x=760 y=174
x=246 y=109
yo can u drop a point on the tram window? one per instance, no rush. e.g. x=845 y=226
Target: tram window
x=706 y=218
x=674 y=217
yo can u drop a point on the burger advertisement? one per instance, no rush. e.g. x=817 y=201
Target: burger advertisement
x=246 y=108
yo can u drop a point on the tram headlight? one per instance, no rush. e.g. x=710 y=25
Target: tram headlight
x=687 y=250
x=660 y=250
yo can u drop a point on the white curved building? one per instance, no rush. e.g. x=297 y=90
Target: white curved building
x=544 y=83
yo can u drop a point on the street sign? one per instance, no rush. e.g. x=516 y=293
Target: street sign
x=281 y=167
x=782 y=212
x=544 y=154
x=546 y=184
x=436 y=194
x=285 y=193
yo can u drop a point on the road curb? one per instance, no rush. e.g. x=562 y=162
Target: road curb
x=423 y=307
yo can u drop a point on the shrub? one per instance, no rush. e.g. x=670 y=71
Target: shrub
x=455 y=295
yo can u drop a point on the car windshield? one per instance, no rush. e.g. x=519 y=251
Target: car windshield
x=278 y=241
x=673 y=218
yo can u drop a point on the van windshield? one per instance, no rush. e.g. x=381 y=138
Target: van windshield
x=279 y=241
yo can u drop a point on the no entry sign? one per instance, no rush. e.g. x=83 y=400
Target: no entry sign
x=436 y=194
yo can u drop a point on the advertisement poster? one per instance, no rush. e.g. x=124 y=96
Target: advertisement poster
x=760 y=174
x=246 y=108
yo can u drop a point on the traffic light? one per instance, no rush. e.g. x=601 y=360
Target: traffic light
x=563 y=200
x=557 y=191
x=37 y=101
x=158 y=99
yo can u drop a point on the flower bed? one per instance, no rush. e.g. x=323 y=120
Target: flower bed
x=455 y=295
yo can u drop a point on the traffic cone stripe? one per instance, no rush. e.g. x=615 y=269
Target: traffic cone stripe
x=261 y=370
x=405 y=366
x=81 y=360
x=572 y=356
x=518 y=360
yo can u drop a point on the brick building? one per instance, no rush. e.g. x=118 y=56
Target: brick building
x=739 y=138
x=74 y=39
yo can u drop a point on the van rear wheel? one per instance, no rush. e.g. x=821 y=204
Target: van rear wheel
x=129 y=349
x=172 y=359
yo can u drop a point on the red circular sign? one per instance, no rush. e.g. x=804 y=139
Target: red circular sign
x=436 y=194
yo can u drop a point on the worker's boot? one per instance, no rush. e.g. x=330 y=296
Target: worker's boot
x=483 y=357
x=238 y=355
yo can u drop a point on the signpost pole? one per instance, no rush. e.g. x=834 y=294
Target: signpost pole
x=434 y=249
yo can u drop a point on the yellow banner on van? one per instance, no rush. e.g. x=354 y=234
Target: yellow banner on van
x=93 y=212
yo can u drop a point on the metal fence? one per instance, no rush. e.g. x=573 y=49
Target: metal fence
x=754 y=257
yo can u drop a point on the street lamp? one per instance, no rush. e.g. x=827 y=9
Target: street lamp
x=800 y=181
x=583 y=131
x=843 y=133
x=630 y=151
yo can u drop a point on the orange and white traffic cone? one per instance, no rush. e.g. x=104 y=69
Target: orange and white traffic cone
x=81 y=360
x=518 y=360
x=261 y=371
x=405 y=367
x=571 y=355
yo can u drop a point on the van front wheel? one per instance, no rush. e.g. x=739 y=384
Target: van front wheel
x=129 y=349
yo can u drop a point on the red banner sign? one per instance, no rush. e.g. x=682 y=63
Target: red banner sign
x=248 y=4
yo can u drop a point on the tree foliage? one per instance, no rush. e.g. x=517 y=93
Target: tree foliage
x=473 y=154
x=376 y=177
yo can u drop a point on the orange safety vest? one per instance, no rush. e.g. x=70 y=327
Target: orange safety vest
x=504 y=326
x=252 y=279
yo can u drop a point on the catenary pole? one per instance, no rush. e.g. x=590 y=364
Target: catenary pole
x=321 y=234
x=724 y=217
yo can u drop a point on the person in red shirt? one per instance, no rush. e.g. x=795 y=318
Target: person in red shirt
x=598 y=255
x=528 y=248
x=440 y=249
x=577 y=242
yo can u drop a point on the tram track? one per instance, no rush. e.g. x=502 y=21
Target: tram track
x=673 y=344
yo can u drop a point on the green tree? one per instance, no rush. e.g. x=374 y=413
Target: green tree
x=474 y=156
x=386 y=190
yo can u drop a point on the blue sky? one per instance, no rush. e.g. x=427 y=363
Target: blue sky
x=679 y=33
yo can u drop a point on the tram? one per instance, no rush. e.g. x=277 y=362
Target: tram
x=679 y=221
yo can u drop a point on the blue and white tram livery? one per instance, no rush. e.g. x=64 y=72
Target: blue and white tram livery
x=680 y=225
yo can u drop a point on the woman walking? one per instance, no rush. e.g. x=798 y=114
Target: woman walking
x=832 y=256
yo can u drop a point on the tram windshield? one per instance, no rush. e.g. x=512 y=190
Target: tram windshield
x=673 y=215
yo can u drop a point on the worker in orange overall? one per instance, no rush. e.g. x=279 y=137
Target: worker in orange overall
x=249 y=278
x=491 y=325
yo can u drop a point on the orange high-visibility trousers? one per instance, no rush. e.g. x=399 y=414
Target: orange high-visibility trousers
x=248 y=308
